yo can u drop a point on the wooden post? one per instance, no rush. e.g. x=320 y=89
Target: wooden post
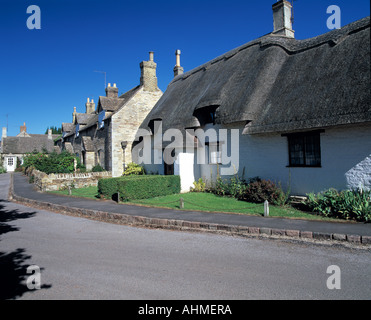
x=266 y=208
x=181 y=205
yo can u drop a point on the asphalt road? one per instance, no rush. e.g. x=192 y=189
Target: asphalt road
x=84 y=259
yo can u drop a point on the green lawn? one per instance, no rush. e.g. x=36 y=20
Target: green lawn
x=206 y=202
x=88 y=192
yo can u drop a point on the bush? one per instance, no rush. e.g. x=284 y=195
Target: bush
x=348 y=204
x=97 y=168
x=234 y=187
x=133 y=169
x=199 y=186
x=259 y=190
x=139 y=186
x=53 y=162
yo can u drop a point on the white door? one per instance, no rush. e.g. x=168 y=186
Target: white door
x=11 y=163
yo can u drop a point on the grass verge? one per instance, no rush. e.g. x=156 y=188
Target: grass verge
x=207 y=202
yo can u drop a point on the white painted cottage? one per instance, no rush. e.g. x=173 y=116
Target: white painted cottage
x=292 y=111
x=14 y=149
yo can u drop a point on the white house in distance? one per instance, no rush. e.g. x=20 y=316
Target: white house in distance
x=15 y=148
x=301 y=109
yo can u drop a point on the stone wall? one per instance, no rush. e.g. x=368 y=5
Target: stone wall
x=125 y=124
x=53 y=182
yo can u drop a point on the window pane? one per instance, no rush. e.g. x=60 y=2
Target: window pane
x=215 y=155
x=312 y=150
x=296 y=151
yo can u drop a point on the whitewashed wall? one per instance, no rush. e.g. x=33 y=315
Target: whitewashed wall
x=345 y=159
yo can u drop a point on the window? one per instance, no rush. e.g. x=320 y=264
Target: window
x=101 y=117
x=304 y=149
x=215 y=154
x=205 y=115
x=10 y=162
x=169 y=162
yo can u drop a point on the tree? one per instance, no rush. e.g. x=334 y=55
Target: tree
x=54 y=129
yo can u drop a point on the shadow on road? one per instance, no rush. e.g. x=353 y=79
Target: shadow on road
x=13 y=265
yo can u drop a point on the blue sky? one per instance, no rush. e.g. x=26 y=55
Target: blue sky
x=46 y=72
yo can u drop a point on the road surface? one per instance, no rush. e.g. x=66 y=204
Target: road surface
x=84 y=259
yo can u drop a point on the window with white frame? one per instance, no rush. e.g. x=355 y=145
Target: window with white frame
x=215 y=153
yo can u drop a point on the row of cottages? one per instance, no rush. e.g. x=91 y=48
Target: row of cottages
x=104 y=134
x=292 y=111
x=14 y=149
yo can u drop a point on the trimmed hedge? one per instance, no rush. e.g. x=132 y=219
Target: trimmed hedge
x=139 y=187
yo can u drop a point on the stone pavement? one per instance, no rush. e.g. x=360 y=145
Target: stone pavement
x=234 y=224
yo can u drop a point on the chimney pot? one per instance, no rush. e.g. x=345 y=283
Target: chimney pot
x=23 y=128
x=90 y=106
x=74 y=115
x=112 y=92
x=151 y=56
x=148 y=77
x=178 y=69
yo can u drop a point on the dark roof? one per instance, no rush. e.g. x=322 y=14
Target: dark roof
x=68 y=127
x=114 y=104
x=278 y=84
x=22 y=145
x=87 y=143
x=84 y=118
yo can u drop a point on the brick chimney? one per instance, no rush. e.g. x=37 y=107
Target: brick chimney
x=112 y=92
x=148 y=77
x=282 y=24
x=23 y=128
x=178 y=69
x=90 y=106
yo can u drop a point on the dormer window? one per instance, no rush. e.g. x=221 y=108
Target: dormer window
x=77 y=133
x=154 y=124
x=205 y=115
x=101 y=117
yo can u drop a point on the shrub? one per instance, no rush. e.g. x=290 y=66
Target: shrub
x=259 y=190
x=139 y=186
x=199 y=186
x=52 y=163
x=97 y=168
x=133 y=169
x=107 y=187
x=347 y=204
x=234 y=187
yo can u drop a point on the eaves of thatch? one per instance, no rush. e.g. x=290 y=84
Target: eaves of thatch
x=278 y=84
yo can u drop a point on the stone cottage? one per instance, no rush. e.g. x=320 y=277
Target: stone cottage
x=104 y=133
x=292 y=111
x=15 y=148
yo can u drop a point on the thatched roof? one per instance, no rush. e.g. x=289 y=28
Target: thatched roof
x=23 y=145
x=278 y=84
